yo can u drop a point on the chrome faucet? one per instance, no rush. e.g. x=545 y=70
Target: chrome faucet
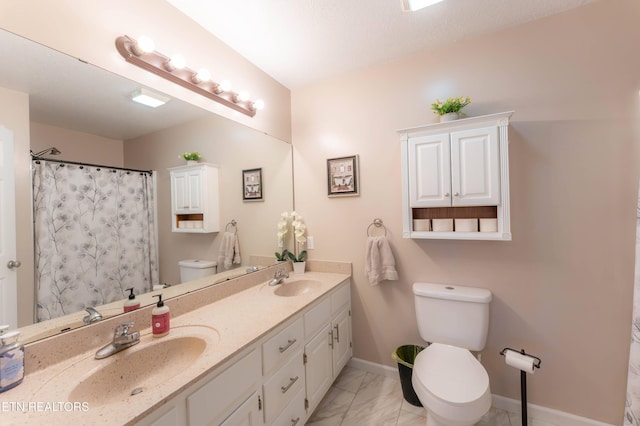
x=94 y=316
x=122 y=339
x=278 y=277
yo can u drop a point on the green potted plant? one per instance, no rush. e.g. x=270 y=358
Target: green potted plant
x=191 y=157
x=282 y=256
x=450 y=108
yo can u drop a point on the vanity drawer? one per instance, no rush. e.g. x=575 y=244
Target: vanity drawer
x=280 y=347
x=283 y=386
x=340 y=298
x=295 y=413
x=224 y=393
x=317 y=317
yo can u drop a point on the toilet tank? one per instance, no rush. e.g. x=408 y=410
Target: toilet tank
x=452 y=314
x=192 y=269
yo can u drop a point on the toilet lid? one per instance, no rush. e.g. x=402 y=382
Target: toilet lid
x=450 y=373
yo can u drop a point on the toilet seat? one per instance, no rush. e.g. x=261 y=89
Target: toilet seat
x=451 y=374
x=452 y=385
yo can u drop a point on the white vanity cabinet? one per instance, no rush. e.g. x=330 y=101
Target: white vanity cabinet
x=278 y=380
x=195 y=205
x=457 y=170
x=328 y=346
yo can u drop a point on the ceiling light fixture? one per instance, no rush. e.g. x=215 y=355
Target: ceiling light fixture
x=413 y=5
x=142 y=53
x=149 y=98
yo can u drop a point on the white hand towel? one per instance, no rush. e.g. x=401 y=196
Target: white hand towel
x=379 y=262
x=229 y=251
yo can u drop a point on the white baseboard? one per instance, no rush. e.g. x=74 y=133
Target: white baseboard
x=534 y=411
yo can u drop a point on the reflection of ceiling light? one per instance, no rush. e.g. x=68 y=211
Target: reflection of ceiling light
x=149 y=98
x=413 y=5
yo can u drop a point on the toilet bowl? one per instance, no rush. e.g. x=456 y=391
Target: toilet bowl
x=192 y=269
x=448 y=379
x=452 y=384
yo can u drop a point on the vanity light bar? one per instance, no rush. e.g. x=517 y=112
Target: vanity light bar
x=196 y=81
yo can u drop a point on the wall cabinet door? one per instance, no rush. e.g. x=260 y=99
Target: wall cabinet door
x=319 y=366
x=187 y=191
x=430 y=171
x=475 y=167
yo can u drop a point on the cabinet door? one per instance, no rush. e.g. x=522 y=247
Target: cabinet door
x=429 y=171
x=179 y=192
x=319 y=366
x=341 y=340
x=194 y=185
x=248 y=414
x=475 y=167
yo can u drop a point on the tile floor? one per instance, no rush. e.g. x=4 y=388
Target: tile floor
x=360 y=398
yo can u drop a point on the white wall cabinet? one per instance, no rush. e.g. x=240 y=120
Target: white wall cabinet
x=195 y=205
x=457 y=170
x=278 y=380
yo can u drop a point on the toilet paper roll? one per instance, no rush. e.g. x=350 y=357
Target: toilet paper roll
x=520 y=361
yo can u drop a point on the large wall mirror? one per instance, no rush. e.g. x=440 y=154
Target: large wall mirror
x=85 y=112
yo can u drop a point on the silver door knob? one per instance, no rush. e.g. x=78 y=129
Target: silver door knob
x=12 y=264
x=456 y=194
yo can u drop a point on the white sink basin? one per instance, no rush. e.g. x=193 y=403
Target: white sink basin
x=297 y=288
x=131 y=372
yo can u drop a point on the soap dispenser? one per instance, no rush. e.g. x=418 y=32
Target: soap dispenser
x=11 y=359
x=160 y=318
x=131 y=304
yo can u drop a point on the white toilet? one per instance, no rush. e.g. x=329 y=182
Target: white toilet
x=192 y=269
x=450 y=382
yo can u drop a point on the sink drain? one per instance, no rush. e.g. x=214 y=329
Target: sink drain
x=137 y=391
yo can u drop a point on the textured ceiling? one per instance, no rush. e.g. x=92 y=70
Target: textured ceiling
x=298 y=42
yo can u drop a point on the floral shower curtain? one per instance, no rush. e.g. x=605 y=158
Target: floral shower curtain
x=632 y=408
x=95 y=236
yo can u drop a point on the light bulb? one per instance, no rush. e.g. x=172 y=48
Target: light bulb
x=225 y=86
x=243 y=96
x=177 y=62
x=258 y=104
x=202 y=76
x=143 y=45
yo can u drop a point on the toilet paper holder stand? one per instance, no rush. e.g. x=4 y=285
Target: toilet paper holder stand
x=521 y=351
x=523 y=380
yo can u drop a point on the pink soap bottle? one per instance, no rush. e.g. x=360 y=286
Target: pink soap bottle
x=160 y=318
x=131 y=304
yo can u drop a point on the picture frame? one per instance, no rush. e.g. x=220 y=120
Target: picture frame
x=252 y=185
x=343 y=179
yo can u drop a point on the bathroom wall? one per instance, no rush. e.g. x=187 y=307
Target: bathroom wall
x=77 y=146
x=563 y=287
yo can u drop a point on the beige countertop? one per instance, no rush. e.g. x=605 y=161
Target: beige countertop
x=228 y=325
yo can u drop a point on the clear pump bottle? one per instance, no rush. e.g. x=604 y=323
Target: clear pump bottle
x=11 y=359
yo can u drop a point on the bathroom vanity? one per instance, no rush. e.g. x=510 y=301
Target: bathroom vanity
x=255 y=353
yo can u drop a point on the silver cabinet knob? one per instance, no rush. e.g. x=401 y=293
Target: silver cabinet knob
x=456 y=194
x=12 y=264
x=446 y=195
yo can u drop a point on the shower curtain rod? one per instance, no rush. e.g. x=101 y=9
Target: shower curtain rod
x=90 y=165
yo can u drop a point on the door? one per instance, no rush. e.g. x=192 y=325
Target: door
x=248 y=414
x=429 y=171
x=319 y=366
x=341 y=340
x=475 y=167
x=8 y=261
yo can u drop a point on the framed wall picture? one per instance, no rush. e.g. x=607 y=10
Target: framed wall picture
x=342 y=174
x=252 y=185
